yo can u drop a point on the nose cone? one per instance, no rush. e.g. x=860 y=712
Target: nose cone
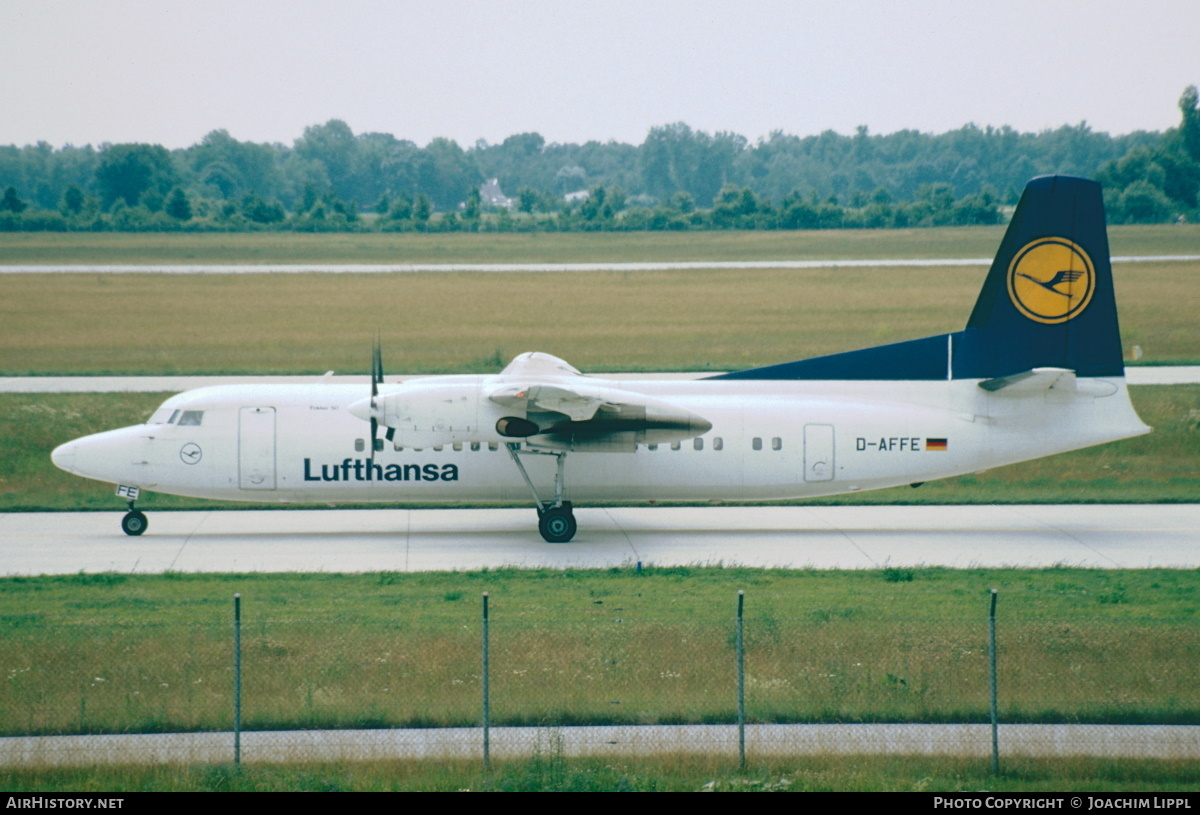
x=119 y=456
x=63 y=456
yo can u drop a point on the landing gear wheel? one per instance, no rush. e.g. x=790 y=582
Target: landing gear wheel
x=134 y=522
x=557 y=524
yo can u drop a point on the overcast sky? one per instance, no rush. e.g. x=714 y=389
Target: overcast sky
x=169 y=72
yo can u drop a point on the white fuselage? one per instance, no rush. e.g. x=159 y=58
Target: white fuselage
x=769 y=440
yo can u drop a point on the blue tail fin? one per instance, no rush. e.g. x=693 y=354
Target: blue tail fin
x=1046 y=303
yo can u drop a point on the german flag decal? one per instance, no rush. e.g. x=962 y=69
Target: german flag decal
x=935 y=445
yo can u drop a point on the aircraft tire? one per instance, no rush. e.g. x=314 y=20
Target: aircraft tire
x=134 y=523
x=557 y=524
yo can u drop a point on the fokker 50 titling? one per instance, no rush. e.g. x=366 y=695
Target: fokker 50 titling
x=1036 y=371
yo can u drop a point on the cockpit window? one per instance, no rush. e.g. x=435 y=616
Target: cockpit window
x=190 y=418
x=163 y=416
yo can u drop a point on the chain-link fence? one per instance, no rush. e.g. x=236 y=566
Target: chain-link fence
x=274 y=687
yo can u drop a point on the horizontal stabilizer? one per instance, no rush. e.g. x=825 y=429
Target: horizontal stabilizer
x=1038 y=379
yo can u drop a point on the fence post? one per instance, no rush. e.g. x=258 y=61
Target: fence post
x=992 y=670
x=741 y=684
x=487 y=758
x=237 y=678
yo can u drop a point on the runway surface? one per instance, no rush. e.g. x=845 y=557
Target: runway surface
x=1099 y=536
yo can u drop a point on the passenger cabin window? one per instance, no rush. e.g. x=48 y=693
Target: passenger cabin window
x=718 y=443
x=757 y=443
x=651 y=446
x=475 y=445
x=190 y=418
x=675 y=445
x=493 y=446
x=359 y=445
x=457 y=445
x=776 y=443
x=378 y=445
x=697 y=443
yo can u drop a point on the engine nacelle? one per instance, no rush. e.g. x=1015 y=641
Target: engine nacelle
x=425 y=415
x=552 y=413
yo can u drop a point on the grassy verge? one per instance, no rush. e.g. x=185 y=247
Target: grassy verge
x=284 y=247
x=673 y=773
x=475 y=322
x=116 y=653
x=1159 y=467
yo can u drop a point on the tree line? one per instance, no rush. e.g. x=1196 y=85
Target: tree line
x=678 y=178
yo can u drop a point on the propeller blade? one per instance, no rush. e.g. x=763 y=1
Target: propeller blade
x=375 y=375
x=376 y=381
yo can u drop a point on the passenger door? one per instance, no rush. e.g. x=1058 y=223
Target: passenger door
x=256 y=448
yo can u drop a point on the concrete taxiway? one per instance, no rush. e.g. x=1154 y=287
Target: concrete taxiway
x=1105 y=537
x=463 y=743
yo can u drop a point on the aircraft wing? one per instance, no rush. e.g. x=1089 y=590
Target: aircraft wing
x=579 y=404
x=565 y=409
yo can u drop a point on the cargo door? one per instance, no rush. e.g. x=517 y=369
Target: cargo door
x=256 y=448
x=818 y=452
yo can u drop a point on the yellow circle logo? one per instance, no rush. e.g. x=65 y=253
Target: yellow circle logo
x=1051 y=280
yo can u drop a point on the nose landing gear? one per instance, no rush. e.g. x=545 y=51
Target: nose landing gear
x=134 y=522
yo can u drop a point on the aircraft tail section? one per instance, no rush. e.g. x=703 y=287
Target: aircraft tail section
x=1047 y=302
x=1048 y=299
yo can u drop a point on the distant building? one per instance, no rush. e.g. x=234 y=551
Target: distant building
x=578 y=195
x=490 y=195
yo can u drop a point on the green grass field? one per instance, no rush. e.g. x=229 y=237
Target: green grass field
x=284 y=247
x=550 y=773
x=446 y=322
x=115 y=653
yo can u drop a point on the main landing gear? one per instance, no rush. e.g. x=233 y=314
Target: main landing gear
x=557 y=524
x=556 y=520
x=134 y=522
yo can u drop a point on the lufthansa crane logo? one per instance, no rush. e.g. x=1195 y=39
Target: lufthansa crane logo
x=190 y=453
x=1051 y=280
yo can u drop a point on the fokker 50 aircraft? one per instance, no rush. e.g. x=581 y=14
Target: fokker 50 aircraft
x=1036 y=371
